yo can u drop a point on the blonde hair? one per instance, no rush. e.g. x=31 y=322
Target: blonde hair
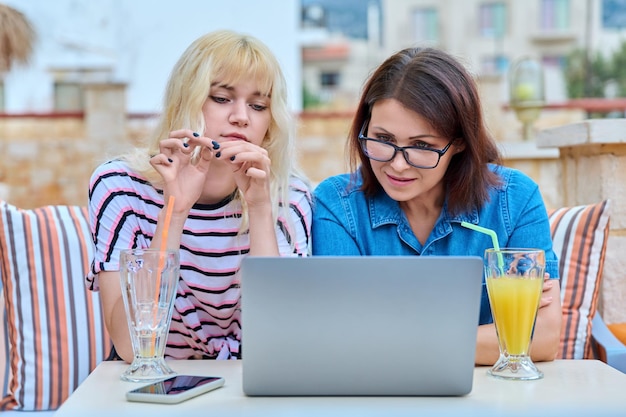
x=228 y=57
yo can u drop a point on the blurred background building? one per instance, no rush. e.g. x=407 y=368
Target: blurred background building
x=352 y=36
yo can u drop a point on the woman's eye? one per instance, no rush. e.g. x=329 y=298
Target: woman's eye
x=258 y=107
x=219 y=99
x=384 y=138
x=422 y=145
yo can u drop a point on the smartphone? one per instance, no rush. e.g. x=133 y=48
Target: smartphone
x=175 y=389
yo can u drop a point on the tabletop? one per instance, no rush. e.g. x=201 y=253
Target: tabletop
x=569 y=388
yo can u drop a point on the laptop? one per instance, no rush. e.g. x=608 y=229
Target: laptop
x=351 y=326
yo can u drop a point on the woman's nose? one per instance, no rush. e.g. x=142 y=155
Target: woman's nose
x=399 y=162
x=239 y=115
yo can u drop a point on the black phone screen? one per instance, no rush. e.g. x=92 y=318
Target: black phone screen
x=176 y=384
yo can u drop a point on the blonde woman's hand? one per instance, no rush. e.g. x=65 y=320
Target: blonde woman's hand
x=251 y=167
x=183 y=162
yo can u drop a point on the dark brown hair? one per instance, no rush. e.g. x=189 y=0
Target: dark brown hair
x=436 y=86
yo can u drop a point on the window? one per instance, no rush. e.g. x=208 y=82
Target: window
x=329 y=79
x=68 y=96
x=555 y=14
x=495 y=65
x=425 y=25
x=554 y=61
x=614 y=14
x=492 y=20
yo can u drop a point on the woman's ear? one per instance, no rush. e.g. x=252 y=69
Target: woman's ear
x=459 y=146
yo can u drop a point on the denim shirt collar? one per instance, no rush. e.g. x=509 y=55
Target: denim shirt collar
x=384 y=210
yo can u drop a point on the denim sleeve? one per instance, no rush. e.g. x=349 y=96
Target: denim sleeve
x=529 y=223
x=330 y=233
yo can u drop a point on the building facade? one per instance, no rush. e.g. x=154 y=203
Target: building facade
x=488 y=35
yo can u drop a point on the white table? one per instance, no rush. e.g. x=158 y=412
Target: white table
x=569 y=388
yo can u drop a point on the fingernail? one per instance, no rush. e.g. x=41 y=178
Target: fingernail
x=170 y=159
x=217 y=155
x=186 y=145
x=196 y=134
x=232 y=158
x=215 y=145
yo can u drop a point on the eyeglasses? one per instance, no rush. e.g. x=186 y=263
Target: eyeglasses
x=416 y=156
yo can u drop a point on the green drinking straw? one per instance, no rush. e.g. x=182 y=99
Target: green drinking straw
x=494 y=239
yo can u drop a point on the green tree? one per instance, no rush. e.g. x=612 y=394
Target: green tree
x=619 y=69
x=591 y=82
x=586 y=83
x=309 y=100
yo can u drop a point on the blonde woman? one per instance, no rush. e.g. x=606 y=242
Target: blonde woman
x=224 y=150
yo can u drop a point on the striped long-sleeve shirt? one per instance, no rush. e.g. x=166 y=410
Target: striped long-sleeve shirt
x=206 y=322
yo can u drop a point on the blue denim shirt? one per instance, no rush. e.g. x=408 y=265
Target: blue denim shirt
x=345 y=222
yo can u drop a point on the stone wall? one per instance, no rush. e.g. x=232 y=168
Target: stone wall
x=48 y=159
x=321 y=143
x=44 y=161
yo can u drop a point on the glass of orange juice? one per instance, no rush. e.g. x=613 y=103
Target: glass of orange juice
x=514 y=278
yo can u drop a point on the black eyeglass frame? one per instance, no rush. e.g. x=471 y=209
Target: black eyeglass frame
x=440 y=152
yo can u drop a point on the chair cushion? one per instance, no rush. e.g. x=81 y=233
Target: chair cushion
x=579 y=236
x=56 y=334
x=619 y=331
x=4 y=348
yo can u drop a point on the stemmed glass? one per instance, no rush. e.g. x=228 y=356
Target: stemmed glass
x=514 y=279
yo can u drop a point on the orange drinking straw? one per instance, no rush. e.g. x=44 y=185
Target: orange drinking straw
x=166 y=227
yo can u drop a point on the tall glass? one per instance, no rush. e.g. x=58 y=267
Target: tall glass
x=514 y=279
x=148 y=278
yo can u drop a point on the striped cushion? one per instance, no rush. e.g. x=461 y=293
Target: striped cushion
x=55 y=330
x=4 y=348
x=579 y=236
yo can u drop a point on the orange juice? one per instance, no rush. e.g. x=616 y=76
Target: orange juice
x=514 y=302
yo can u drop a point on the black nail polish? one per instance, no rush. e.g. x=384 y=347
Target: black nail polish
x=186 y=145
x=170 y=159
x=217 y=155
x=215 y=145
x=232 y=158
x=196 y=134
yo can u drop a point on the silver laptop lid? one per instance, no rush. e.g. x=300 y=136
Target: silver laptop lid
x=359 y=325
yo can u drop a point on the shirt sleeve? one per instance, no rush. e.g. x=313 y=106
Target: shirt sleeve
x=295 y=234
x=330 y=231
x=115 y=205
x=531 y=227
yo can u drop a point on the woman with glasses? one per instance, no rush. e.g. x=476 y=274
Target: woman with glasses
x=422 y=162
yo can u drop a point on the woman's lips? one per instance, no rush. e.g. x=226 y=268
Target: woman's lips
x=399 y=181
x=234 y=136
